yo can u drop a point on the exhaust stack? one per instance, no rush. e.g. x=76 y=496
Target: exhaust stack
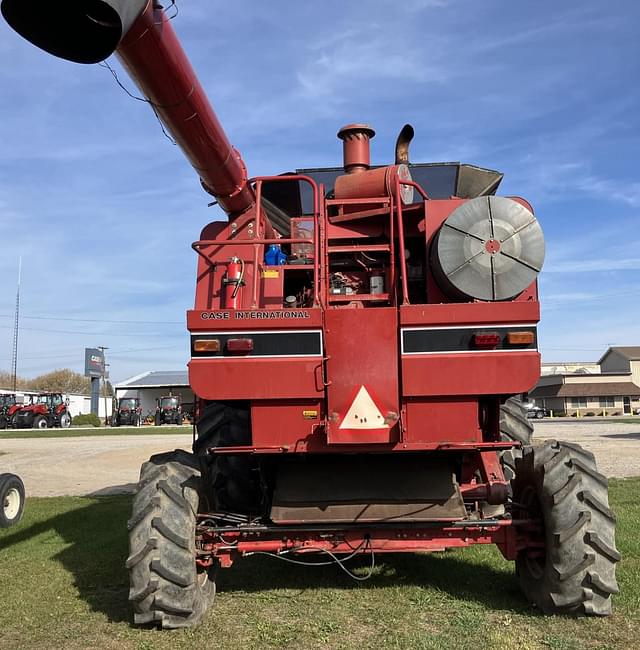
x=139 y=32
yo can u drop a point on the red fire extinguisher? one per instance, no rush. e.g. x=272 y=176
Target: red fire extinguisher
x=232 y=281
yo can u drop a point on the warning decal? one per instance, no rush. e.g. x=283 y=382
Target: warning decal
x=363 y=413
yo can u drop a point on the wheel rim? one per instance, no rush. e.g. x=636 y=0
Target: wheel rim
x=42 y=424
x=534 y=552
x=11 y=506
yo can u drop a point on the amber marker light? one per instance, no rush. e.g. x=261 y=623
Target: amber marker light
x=520 y=338
x=206 y=345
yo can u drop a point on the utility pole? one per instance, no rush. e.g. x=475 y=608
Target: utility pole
x=14 y=355
x=104 y=381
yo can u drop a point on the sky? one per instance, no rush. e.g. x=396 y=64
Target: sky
x=102 y=208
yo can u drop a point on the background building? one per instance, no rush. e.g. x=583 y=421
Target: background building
x=152 y=385
x=609 y=387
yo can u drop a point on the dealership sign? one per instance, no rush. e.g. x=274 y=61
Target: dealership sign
x=93 y=362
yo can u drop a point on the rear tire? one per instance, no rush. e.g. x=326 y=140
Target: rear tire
x=235 y=479
x=576 y=571
x=11 y=500
x=166 y=587
x=514 y=426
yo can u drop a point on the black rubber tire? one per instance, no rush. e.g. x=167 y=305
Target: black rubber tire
x=166 y=588
x=578 y=572
x=234 y=480
x=65 y=422
x=157 y=419
x=514 y=425
x=4 y=423
x=40 y=422
x=11 y=490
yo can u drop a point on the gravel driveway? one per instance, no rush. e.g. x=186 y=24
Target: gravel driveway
x=111 y=464
x=79 y=466
x=616 y=446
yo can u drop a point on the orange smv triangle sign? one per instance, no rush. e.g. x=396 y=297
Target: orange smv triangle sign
x=363 y=413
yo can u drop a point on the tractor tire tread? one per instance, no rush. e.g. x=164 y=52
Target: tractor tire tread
x=578 y=575
x=233 y=480
x=166 y=589
x=514 y=426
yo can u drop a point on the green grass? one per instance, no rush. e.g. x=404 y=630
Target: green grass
x=103 y=431
x=63 y=585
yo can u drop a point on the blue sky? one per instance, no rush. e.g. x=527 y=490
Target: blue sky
x=102 y=208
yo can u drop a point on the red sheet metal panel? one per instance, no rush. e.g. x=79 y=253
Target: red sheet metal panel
x=362 y=370
x=471 y=373
x=450 y=420
x=255 y=378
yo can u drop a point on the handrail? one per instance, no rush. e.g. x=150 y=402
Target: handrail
x=258 y=241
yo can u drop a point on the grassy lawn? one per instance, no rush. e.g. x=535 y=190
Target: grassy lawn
x=63 y=585
x=92 y=431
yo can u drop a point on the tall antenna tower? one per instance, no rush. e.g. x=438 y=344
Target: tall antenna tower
x=16 y=326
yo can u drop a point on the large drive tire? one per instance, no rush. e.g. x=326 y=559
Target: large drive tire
x=166 y=587
x=40 y=422
x=11 y=500
x=576 y=571
x=157 y=419
x=514 y=426
x=4 y=423
x=235 y=479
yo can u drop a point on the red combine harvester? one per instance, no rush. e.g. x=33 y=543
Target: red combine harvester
x=359 y=338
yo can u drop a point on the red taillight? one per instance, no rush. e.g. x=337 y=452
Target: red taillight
x=487 y=340
x=240 y=345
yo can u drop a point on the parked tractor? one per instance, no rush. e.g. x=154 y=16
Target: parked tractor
x=128 y=413
x=169 y=410
x=358 y=340
x=46 y=410
x=10 y=404
x=7 y=402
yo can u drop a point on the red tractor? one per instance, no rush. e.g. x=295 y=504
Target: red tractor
x=169 y=410
x=46 y=410
x=128 y=413
x=358 y=340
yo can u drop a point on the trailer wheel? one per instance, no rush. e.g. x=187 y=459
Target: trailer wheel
x=514 y=426
x=166 y=587
x=11 y=500
x=234 y=479
x=40 y=422
x=568 y=566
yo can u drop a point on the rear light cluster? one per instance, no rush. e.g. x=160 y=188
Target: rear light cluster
x=240 y=345
x=491 y=340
